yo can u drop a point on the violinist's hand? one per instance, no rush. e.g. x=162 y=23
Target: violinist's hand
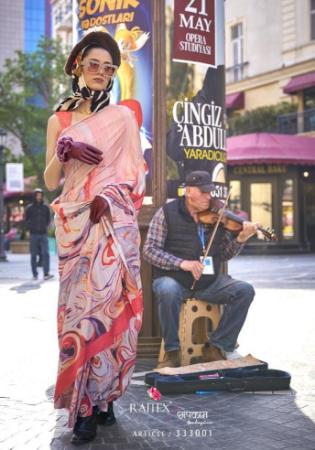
x=249 y=229
x=195 y=267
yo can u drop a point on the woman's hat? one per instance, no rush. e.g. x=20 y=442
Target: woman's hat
x=99 y=39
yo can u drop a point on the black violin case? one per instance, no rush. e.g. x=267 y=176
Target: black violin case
x=250 y=378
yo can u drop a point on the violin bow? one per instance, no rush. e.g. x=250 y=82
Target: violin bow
x=220 y=215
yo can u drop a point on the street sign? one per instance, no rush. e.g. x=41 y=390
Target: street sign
x=14 y=177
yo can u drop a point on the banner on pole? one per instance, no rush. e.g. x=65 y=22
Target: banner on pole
x=194 y=32
x=196 y=136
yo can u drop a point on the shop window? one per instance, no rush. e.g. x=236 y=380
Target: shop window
x=235 y=197
x=312 y=5
x=287 y=212
x=309 y=98
x=261 y=204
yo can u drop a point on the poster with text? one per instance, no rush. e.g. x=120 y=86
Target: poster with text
x=130 y=23
x=196 y=136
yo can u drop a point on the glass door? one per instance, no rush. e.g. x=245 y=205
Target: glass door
x=261 y=203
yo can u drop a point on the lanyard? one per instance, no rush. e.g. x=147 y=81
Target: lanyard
x=201 y=233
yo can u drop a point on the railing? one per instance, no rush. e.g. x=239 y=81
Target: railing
x=298 y=122
x=236 y=73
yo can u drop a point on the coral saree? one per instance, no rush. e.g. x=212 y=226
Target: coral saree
x=100 y=298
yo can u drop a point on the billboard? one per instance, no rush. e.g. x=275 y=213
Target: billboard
x=130 y=23
x=196 y=136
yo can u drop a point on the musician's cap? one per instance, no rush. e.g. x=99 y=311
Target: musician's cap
x=94 y=38
x=200 y=179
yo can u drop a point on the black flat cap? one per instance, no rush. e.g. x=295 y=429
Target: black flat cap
x=98 y=38
x=201 y=179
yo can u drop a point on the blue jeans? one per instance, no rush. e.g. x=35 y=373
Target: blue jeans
x=39 y=246
x=235 y=295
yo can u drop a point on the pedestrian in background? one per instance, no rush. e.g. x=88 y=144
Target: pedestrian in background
x=37 y=220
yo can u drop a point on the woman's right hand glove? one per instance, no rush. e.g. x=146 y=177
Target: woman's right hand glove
x=67 y=148
x=99 y=207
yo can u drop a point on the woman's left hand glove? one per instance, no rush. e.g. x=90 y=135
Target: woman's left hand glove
x=98 y=208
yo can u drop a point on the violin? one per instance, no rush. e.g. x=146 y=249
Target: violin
x=230 y=221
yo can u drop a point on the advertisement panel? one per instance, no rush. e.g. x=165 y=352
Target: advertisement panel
x=130 y=23
x=196 y=137
x=194 y=32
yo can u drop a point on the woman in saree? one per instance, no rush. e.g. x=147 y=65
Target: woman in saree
x=95 y=146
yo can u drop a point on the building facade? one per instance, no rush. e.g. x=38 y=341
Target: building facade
x=63 y=22
x=23 y=24
x=270 y=58
x=269 y=43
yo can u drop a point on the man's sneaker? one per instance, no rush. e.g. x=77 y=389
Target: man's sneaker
x=233 y=355
x=48 y=277
x=35 y=278
x=171 y=359
x=211 y=353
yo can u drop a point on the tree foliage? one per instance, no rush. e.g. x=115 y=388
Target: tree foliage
x=262 y=119
x=31 y=84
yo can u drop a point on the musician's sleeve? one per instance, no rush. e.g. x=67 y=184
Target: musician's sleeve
x=229 y=246
x=153 y=249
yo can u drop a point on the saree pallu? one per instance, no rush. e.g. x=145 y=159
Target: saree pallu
x=100 y=298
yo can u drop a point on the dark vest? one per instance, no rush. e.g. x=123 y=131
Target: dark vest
x=183 y=241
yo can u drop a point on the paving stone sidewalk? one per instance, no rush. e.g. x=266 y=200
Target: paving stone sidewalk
x=279 y=329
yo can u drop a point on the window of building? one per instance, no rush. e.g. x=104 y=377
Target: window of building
x=312 y=4
x=34 y=21
x=237 y=51
x=287 y=206
x=235 y=197
x=261 y=203
x=309 y=98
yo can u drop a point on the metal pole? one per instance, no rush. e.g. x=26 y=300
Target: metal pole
x=3 y=257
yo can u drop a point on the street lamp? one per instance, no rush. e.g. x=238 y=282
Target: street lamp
x=3 y=135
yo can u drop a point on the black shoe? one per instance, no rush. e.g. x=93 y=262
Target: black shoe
x=107 y=418
x=48 y=276
x=85 y=428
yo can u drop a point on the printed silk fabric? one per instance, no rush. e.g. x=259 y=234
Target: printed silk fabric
x=100 y=298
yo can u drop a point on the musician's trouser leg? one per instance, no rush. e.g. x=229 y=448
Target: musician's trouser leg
x=237 y=297
x=169 y=294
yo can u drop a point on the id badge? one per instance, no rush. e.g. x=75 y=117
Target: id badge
x=208 y=266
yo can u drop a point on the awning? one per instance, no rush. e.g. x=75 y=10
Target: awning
x=299 y=83
x=269 y=148
x=235 y=100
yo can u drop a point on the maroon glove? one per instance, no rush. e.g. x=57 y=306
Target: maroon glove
x=68 y=148
x=98 y=208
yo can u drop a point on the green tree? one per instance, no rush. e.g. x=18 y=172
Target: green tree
x=257 y=120
x=31 y=84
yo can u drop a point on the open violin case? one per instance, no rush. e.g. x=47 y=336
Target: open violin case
x=251 y=378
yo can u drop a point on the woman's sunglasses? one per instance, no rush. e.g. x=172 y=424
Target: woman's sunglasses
x=94 y=66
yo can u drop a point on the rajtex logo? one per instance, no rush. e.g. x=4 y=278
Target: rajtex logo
x=154 y=408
